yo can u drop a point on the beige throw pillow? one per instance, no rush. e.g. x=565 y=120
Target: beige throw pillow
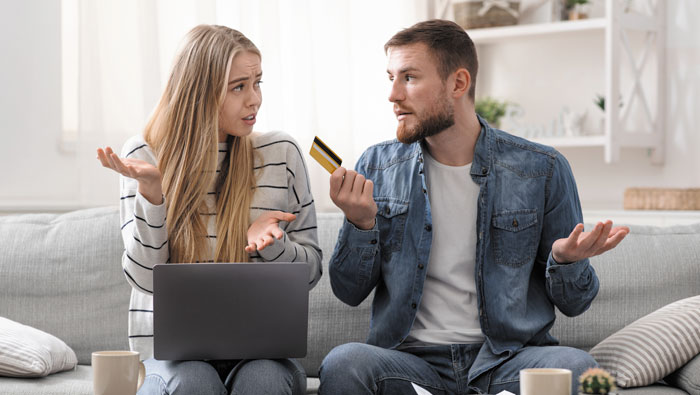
x=655 y=345
x=29 y=352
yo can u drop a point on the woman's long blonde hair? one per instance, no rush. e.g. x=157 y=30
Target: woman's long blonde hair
x=184 y=134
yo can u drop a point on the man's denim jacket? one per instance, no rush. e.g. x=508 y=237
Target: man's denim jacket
x=527 y=200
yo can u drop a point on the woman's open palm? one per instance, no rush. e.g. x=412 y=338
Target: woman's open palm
x=266 y=229
x=147 y=175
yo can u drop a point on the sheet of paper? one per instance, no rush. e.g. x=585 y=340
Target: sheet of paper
x=420 y=390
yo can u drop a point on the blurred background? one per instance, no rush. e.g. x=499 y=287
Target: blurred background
x=82 y=74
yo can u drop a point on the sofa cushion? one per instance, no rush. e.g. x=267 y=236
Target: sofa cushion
x=687 y=377
x=62 y=274
x=331 y=322
x=72 y=382
x=29 y=352
x=652 y=267
x=653 y=346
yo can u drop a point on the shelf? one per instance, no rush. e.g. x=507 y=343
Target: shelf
x=494 y=35
x=578 y=141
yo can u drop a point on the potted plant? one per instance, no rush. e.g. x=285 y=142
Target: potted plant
x=578 y=9
x=492 y=110
x=596 y=381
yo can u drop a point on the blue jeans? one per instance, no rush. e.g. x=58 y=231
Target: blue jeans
x=260 y=376
x=358 y=368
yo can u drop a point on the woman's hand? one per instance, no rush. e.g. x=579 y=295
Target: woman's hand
x=265 y=230
x=147 y=175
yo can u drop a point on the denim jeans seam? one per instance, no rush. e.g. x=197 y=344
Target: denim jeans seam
x=508 y=381
x=419 y=382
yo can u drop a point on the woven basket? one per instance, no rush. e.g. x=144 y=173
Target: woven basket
x=661 y=199
x=466 y=13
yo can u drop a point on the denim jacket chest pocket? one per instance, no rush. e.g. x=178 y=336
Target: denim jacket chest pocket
x=515 y=236
x=391 y=221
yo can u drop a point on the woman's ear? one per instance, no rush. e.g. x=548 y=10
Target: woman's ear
x=462 y=83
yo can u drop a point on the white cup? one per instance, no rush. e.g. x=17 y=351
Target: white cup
x=117 y=372
x=545 y=381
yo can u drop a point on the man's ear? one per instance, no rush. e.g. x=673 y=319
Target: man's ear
x=462 y=83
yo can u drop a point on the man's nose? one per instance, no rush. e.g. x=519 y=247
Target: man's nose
x=396 y=94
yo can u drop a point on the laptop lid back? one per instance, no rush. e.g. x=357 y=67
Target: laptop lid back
x=230 y=311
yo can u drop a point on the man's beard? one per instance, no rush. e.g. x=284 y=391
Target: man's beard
x=436 y=121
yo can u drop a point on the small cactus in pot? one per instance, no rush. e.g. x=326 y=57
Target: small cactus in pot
x=596 y=381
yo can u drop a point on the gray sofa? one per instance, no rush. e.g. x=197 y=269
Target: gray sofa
x=62 y=274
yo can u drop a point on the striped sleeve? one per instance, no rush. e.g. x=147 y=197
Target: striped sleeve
x=143 y=225
x=300 y=240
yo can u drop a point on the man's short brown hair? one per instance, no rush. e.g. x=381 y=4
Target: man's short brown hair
x=449 y=43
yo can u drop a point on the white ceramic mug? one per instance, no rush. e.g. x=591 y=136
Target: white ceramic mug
x=545 y=381
x=117 y=372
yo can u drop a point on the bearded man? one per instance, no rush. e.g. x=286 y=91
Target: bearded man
x=470 y=238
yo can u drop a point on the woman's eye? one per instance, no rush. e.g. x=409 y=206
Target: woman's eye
x=237 y=88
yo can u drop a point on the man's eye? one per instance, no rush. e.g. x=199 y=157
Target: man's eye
x=410 y=78
x=257 y=83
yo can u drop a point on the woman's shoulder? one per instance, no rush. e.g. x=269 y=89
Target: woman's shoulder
x=276 y=143
x=136 y=147
x=265 y=139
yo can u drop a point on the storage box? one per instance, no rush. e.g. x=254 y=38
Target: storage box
x=474 y=14
x=661 y=199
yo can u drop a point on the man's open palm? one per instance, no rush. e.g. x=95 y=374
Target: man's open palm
x=580 y=245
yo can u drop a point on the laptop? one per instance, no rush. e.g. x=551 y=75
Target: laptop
x=213 y=311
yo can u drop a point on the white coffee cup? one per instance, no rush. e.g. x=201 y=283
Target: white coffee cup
x=545 y=381
x=117 y=372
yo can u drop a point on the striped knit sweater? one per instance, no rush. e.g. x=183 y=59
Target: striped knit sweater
x=282 y=184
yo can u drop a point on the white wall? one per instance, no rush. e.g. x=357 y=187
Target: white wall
x=34 y=170
x=37 y=176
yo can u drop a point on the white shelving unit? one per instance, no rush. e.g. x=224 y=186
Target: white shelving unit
x=616 y=27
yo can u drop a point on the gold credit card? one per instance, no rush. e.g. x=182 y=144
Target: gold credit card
x=324 y=155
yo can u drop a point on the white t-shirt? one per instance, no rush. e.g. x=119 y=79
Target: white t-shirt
x=448 y=311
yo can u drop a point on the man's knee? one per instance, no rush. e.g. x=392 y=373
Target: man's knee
x=577 y=361
x=346 y=358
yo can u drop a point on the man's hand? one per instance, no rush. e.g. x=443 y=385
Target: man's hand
x=580 y=245
x=352 y=193
x=147 y=175
x=266 y=229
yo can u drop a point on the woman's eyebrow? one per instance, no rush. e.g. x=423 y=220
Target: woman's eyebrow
x=243 y=79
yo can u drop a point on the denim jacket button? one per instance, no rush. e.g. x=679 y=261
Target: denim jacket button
x=413 y=305
x=373 y=241
x=515 y=223
x=387 y=210
x=420 y=266
x=424 y=191
x=484 y=171
x=428 y=228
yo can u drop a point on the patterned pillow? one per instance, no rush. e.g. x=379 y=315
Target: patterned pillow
x=29 y=352
x=655 y=345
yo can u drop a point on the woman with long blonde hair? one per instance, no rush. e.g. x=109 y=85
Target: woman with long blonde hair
x=199 y=186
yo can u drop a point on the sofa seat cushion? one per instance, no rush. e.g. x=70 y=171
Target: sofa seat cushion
x=72 y=382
